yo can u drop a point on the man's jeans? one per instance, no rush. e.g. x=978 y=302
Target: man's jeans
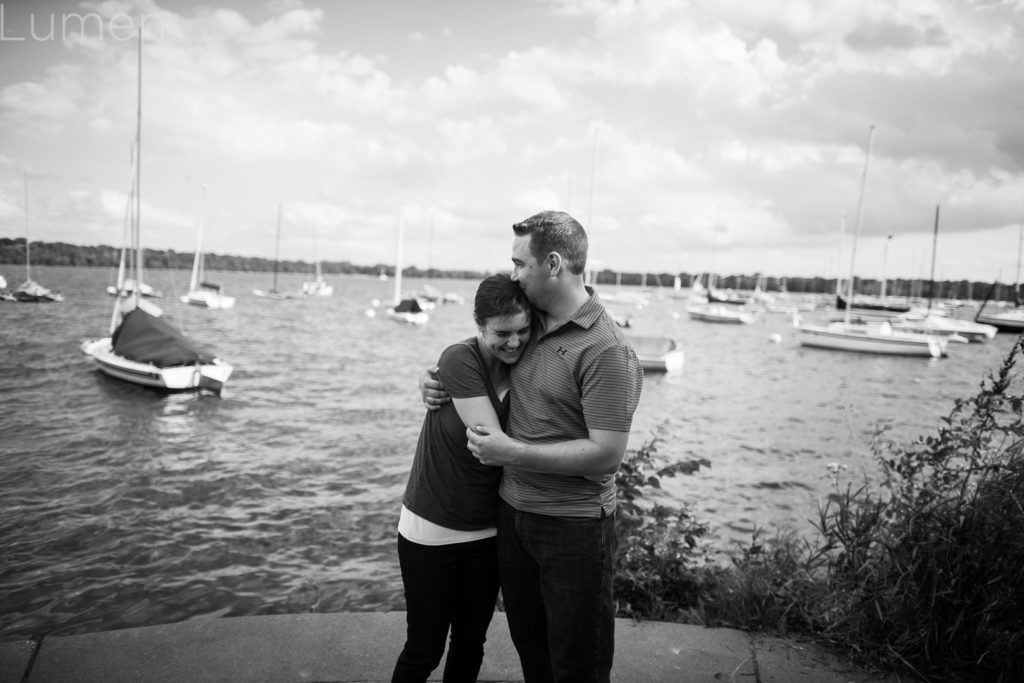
x=556 y=582
x=446 y=585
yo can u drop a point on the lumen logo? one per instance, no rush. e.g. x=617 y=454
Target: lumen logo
x=41 y=27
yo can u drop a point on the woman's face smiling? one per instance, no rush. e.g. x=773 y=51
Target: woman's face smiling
x=505 y=337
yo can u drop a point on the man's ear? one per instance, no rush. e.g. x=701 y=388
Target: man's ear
x=555 y=263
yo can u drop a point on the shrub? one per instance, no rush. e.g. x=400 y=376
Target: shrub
x=929 y=572
x=656 y=574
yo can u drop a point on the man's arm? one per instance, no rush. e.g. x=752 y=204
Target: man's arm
x=599 y=454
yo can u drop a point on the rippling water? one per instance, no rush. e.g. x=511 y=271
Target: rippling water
x=125 y=507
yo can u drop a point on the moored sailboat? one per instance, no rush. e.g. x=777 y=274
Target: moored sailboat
x=408 y=309
x=143 y=347
x=31 y=291
x=879 y=338
x=319 y=286
x=201 y=292
x=273 y=292
x=1004 y=320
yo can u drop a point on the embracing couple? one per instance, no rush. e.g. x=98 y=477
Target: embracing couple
x=513 y=482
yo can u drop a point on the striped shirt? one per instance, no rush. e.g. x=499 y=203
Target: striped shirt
x=579 y=376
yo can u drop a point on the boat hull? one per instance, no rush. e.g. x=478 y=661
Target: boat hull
x=204 y=299
x=208 y=376
x=657 y=354
x=843 y=338
x=1012 y=321
x=951 y=327
x=408 y=317
x=720 y=314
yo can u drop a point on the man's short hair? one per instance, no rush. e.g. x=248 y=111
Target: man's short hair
x=556 y=231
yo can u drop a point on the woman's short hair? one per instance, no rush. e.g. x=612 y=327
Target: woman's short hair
x=498 y=296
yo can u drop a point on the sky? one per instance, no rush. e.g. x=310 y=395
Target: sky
x=685 y=135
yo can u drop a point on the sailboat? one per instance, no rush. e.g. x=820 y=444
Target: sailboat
x=125 y=286
x=143 y=348
x=319 y=286
x=31 y=291
x=1013 y=319
x=273 y=292
x=954 y=329
x=408 y=310
x=867 y=337
x=201 y=292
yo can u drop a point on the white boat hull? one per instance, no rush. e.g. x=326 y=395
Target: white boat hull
x=1004 y=321
x=210 y=376
x=716 y=313
x=204 y=299
x=871 y=339
x=318 y=288
x=951 y=327
x=408 y=317
x=657 y=354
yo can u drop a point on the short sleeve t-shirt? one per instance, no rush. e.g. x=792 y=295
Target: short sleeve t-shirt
x=447 y=485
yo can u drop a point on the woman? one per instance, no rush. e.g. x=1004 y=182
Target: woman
x=447 y=526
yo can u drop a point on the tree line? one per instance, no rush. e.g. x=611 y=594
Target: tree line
x=12 y=251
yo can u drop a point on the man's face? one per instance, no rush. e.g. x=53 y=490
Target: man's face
x=530 y=274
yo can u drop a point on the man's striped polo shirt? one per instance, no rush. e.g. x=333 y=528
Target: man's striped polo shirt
x=579 y=376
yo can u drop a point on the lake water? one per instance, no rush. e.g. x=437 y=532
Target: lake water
x=126 y=507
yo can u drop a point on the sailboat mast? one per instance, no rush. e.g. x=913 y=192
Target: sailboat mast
x=935 y=243
x=398 y=259
x=856 y=223
x=277 y=246
x=1020 y=244
x=28 y=259
x=137 y=228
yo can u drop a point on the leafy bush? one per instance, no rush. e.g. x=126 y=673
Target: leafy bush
x=656 y=575
x=925 y=572
x=929 y=573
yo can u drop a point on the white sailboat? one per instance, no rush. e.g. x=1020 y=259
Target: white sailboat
x=879 y=338
x=273 y=292
x=201 y=292
x=125 y=286
x=1011 y=320
x=407 y=310
x=31 y=291
x=319 y=286
x=143 y=348
x=953 y=329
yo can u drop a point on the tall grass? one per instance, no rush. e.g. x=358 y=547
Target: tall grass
x=923 y=572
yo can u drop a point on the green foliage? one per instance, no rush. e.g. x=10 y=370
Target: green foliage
x=924 y=573
x=929 y=572
x=657 y=544
x=775 y=584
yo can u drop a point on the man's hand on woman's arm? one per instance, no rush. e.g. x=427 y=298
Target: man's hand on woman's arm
x=431 y=390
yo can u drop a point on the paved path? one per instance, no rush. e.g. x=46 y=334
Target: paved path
x=362 y=646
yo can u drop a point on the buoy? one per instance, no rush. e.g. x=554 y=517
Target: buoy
x=370 y=313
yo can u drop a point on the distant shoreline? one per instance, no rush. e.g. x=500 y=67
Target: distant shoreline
x=12 y=252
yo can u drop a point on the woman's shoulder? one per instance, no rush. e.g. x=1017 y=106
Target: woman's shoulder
x=464 y=346
x=461 y=352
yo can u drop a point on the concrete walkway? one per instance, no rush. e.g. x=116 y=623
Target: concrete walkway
x=362 y=646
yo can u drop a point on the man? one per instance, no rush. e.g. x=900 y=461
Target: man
x=573 y=395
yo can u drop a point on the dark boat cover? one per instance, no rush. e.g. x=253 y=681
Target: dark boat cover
x=890 y=308
x=147 y=339
x=408 y=306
